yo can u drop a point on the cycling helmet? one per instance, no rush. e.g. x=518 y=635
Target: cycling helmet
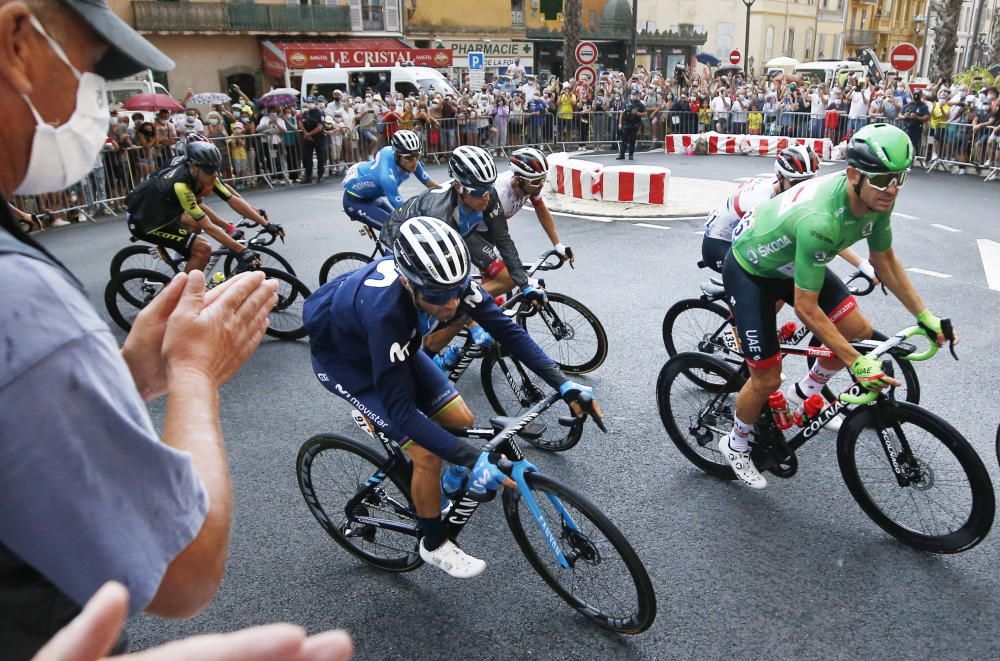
x=431 y=255
x=205 y=155
x=405 y=142
x=197 y=137
x=878 y=148
x=797 y=163
x=529 y=163
x=472 y=167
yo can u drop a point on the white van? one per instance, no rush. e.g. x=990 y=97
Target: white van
x=828 y=71
x=120 y=91
x=404 y=80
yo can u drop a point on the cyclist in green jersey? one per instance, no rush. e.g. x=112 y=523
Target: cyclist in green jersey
x=780 y=253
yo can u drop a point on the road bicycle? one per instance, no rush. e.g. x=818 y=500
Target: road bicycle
x=910 y=471
x=706 y=324
x=564 y=327
x=361 y=498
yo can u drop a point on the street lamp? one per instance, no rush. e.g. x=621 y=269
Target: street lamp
x=746 y=44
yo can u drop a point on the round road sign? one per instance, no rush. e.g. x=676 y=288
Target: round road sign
x=586 y=52
x=586 y=75
x=903 y=57
x=734 y=56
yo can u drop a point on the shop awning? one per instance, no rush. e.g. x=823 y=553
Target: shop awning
x=277 y=56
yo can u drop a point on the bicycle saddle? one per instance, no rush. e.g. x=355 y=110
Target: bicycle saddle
x=713 y=289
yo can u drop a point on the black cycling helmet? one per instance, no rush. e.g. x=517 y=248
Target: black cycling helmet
x=431 y=255
x=406 y=142
x=205 y=155
x=529 y=163
x=472 y=167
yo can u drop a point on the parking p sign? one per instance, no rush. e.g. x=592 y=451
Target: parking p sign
x=477 y=70
x=476 y=61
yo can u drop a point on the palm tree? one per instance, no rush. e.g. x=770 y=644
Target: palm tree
x=572 y=26
x=946 y=13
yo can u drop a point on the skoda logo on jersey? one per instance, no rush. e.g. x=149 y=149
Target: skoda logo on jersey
x=868 y=228
x=752 y=256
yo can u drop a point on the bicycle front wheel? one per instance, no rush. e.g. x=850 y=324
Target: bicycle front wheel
x=285 y=319
x=342 y=262
x=944 y=501
x=696 y=325
x=512 y=389
x=605 y=581
x=331 y=470
x=128 y=292
x=568 y=331
x=139 y=256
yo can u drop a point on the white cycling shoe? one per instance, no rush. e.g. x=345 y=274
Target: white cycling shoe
x=795 y=400
x=742 y=465
x=452 y=560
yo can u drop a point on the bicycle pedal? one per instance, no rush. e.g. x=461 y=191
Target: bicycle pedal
x=532 y=431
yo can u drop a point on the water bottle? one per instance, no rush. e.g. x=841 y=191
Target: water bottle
x=450 y=356
x=809 y=410
x=218 y=278
x=779 y=410
x=787 y=331
x=453 y=480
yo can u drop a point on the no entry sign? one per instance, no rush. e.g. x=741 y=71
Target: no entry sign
x=903 y=57
x=734 y=56
x=586 y=52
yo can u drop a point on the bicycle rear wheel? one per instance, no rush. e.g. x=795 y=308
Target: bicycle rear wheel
x=129 y=291
x=268 y=259
x=568 y=331
x=139 y=256
x=512 y=389
x=341 y=263
x=331 y=470
x=696 y=417
x=285 y=320
x=605 y=581
x=946 y=504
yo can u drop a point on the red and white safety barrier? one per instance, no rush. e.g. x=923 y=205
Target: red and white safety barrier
x=762 y=145
x=574 y=177
x=635 y=183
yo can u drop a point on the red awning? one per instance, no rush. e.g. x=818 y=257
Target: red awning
x=280 y=55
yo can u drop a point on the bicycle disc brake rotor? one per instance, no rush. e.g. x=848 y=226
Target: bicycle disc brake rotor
x=583 y=548
x=710 y=423
x=919 y=474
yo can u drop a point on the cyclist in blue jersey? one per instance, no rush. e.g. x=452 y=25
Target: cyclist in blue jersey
x=365 y=341
x=371 y=188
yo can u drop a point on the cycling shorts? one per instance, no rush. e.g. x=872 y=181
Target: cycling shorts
x=433 y=392
x=484 y=254
x=372 y=213
x=173 y=235
x=713 y=252
x=754 y=300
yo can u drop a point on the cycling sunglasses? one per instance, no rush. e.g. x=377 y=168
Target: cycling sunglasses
x=477 y=192
x=410 y=157
x=442 y=296
x=881 y=181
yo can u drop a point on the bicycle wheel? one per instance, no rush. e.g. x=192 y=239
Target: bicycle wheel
x=696 y=325
x=130 y=291
x=946 y=504
x=285 y=320
x=569 y=332
x=139 y=256
x=696 y=417
x=605 y=581
x=900 y=368
x=512 y=389
x=268 y=259
x=341 y=263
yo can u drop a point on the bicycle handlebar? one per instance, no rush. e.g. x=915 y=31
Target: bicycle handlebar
x=544 y=265
x=867 y=287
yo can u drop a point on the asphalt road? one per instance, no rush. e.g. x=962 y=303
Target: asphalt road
x=796 y=571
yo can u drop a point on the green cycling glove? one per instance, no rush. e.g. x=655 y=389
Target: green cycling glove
x=929 y=322
x=868 y=371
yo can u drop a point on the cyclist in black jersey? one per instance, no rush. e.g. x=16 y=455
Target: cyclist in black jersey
x=165 y=208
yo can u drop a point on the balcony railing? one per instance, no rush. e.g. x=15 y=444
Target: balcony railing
x=239 y=17
x=516 y=17
x=861 y=37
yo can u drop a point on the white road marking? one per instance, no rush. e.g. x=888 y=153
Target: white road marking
x=655 y=227
x=699 y=232
x=990 y=253
x=904 y=215
x=600 y=219
x=934 y=274
x=828 y=163
x=946 y=228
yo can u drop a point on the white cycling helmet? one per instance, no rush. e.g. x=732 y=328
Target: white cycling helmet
x=431 y=255
x=529 y=163
x=406 y=142
x=472 y=167
x=797 y=163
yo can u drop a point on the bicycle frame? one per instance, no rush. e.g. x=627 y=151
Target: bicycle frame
x=463 y=506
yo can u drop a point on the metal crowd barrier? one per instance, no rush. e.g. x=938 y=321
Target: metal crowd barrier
x=275 y=159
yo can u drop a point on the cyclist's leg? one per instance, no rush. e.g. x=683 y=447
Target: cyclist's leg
x=174 y=236
x=713 y=252
x=201 y=249
x=372 y=213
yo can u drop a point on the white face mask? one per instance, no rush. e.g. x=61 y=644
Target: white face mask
x=62 y=156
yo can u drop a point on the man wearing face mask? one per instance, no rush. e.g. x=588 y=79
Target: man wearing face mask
x=120 y=503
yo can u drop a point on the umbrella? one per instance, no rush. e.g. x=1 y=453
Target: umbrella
x=707 y=58
x=208 y=99
x=728 y=69
x=152 y=102
x=282 y=96
x=782 y=63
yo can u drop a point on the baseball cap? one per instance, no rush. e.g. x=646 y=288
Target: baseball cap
x=129 y=52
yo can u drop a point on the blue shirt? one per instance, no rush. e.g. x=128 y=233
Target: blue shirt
x=363 y=327
x=381 y=177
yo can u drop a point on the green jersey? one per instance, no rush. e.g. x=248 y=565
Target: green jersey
x=796 y=234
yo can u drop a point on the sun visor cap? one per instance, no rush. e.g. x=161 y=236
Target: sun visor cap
x=129 y=52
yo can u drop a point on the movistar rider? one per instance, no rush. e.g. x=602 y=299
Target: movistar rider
x=371 y=188
x=365 y=340
x=781 y=251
